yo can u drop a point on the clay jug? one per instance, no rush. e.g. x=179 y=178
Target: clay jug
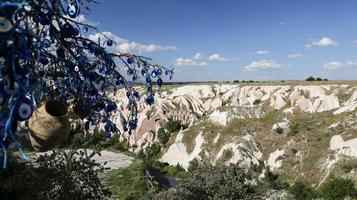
x=49 y=125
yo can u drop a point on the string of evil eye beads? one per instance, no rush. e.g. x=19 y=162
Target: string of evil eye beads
x=44 y=54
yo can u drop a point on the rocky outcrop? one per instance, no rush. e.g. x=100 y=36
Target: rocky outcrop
x=207 y=109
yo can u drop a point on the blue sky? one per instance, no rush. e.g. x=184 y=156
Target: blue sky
x=237 y=39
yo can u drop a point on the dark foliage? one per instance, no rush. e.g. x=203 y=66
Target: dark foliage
x=163 y=136
x=173 y=125
x=338 y=189
x=256 y=102
x=70 y=175
x=301 y=190
x=310 y=78
x=214 y=182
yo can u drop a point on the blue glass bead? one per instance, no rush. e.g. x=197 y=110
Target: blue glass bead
x=44 y=61
x=153 y=74
x=159 y=82
x=143 y=72
x=135 y=77
x=23 y=109
x=158 y=72
x=149 y=99
x=130 y=72
x=73 y=9
x=5 y=25
x=130 y=60
x=110 y=42
x=148 y=79
x=136 y=95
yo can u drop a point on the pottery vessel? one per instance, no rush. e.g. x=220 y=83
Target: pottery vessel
x=49 y=125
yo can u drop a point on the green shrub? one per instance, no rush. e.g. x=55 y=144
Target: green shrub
x=152 y=151
x=193 y=165
x=338 y=188
x=69 y=175
x=215 y=182
x=163 y=136
x=349 y=165
x=310 y=78
x=256 y=102
x=131 y=182
x=174 y=171
x=173 y=125
x=294 y=128
x=302 y=190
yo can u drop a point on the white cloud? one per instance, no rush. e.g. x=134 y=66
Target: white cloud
x=351 y=63
x=123 y=45
x=188 y=62
x=82 y=19
x=262 y=52
x=323 y=42
x=296 y=55
x=262 y=65
x=198 y=56
x=216 y=57
x=198 y=60
x=334 y=65
x=338 y=65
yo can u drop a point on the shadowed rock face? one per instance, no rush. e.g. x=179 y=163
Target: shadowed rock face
x=279 y=125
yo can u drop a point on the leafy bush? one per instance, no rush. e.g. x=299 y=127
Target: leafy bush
x=98 y=140
x=310 y=78
x=138 y=181
x=215 y=182
x=256 y=102
x=294 y=128
x=173 y=125
x=163 y=136
x=302 y=190
x=272 y=181
x=193 y=165
x=338 y=188
x=152 y=151
x=69 y=175
x=349 y=165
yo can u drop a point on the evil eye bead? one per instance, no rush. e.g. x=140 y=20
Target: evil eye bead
x=5 y=25
x=135 y=77
x=23 y=109
x=110 y=42
x=143 y=72
x=150 y=99
x=148 y=79
x=158 y=72
x=153 y=74
x=159 y=82
x=130 y=72
x=73 y=9
x=136 y=95
x=11 y=88
x=130 y=60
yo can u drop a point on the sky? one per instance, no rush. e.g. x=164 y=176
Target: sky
x=225 y=40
